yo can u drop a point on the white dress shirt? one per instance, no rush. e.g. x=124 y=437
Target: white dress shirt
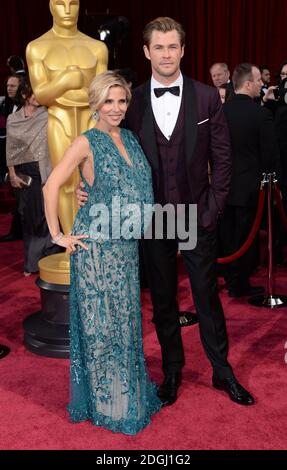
x=166 y=107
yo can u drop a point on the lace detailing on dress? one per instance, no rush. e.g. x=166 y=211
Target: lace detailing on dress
x=109 y=382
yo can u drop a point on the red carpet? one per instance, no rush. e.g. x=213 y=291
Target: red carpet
x=34 y=389
x=7 y=199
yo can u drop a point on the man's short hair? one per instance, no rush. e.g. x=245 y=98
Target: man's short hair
x=163 y=24
x=263 y=67
x=221 y=64
x=242 y=73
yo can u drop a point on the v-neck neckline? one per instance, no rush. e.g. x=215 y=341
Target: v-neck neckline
x=114 y=144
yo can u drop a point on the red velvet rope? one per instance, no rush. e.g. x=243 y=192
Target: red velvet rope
x=279 y=206
x=256 y=224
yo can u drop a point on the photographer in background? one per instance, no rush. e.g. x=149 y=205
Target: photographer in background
x=276 y=100
x=281 y=126
x=275 y=94
x=281 y=133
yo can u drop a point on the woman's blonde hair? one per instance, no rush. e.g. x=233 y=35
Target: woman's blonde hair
x=100 y=87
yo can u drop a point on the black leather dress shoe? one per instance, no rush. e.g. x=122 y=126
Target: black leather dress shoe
x=167 y=391
x=187 y=318
x=249 y=290
x=236 y=392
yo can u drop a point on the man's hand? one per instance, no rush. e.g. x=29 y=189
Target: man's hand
x=269 y=95
x=81 y=195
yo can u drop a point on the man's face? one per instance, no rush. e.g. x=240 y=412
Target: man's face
x=165 y=53
x=266 y=76
x=219 y=75
x=12 y=86
x=256 y=84
x=65 y=12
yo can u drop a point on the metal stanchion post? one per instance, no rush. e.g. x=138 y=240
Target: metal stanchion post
x=270 y=300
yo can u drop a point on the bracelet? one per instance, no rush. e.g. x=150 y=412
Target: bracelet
x=57 y=238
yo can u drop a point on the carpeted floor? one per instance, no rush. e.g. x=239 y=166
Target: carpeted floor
x=34 y=390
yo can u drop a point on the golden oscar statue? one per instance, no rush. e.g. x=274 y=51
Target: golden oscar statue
x=62 y=64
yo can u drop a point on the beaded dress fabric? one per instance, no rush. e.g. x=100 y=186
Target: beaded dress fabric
x=109 y=382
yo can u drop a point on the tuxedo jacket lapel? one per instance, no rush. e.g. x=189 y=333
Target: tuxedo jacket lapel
x=190 y=118
x=147 y=132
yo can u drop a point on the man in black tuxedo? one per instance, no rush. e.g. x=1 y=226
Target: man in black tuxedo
x=254 y=150
x=181 y=126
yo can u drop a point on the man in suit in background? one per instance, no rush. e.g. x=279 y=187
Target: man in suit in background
x=220 y=76
x=181 y=126
x=254 y=150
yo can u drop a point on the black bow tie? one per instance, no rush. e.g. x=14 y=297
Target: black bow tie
x=161 y=91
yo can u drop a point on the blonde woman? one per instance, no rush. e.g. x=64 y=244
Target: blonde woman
x=109 y=383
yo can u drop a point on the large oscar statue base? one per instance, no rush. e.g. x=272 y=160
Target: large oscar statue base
x=46 y=332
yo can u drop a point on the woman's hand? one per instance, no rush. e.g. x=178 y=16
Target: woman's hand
x=81 y=196
x=71 y=241
x=17 y=182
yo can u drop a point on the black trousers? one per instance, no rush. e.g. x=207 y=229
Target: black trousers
x=160 y=258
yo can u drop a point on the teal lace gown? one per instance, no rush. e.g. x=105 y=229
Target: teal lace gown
x=109 y=382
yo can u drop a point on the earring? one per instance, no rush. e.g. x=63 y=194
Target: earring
x=96 y=115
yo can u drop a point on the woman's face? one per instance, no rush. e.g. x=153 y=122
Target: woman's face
x=112 y=112
x=283 y=73
x=31 y=101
